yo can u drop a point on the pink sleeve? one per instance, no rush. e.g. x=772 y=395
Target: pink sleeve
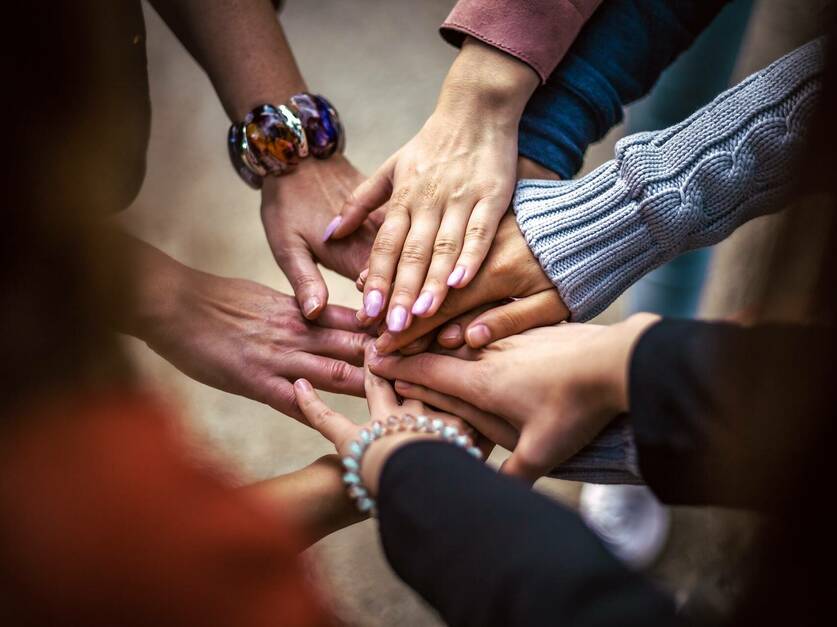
x=538 y=32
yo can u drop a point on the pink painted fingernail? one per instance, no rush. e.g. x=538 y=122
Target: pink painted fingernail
x=397 y=319
x=478 y=335
x=456 y=276
x=372 y=303
x=332 y=227
x=422 y=305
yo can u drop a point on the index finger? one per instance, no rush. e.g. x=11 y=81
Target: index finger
x=443 y=373
x=334 y=426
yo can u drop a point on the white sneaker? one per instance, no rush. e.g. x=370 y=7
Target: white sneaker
x=628 y=519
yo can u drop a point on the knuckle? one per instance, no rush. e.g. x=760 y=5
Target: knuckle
x=478 y=231
x=323 y=414
x=446 y=246
x=414 y=253
x=400 y=200
x=500 y=264
x=299 y=281
x=281 y=396
x=507 y=320
x=385 y=244
x=341 y=372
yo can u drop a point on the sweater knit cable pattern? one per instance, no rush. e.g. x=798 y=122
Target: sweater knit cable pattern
x=673 y=190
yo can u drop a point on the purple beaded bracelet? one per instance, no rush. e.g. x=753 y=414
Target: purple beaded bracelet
x=272 y=139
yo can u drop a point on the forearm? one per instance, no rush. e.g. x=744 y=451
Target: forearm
x=312 y=499
x=717 y=418
x=159 y=282
x=617 y=58
x=241 y=46
x=684 y=187
x=485 y=550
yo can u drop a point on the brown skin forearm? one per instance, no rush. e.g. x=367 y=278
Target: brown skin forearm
x=241 y=46
x=313 y=499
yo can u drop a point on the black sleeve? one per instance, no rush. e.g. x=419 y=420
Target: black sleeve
x=722 y=413
x=484 y=550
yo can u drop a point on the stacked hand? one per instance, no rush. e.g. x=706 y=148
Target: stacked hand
x=296 y=210
x=445 y=190
x=480 y=313
x=243 y=337
x=557 y=387
x=383 y=403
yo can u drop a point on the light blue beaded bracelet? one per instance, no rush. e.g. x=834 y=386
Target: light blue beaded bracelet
x=394 y=424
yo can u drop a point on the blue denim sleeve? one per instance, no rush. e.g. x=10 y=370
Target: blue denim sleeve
x=617 y=58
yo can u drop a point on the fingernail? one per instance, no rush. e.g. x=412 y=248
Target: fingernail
x=372 y=303
x=302 y=385
x=397 y=319
x=422 y=305
x=310 y=306
x=332 y=227
x=452 y=333
x=456 y=276
x=478 y=335
x=402 y=385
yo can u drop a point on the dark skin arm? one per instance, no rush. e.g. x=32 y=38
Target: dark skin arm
x=242 y=47
x=313 y=499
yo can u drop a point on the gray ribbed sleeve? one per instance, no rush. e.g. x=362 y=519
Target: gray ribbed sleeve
x=670 y=191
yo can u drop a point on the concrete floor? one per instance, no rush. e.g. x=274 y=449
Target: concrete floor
x=381 y=63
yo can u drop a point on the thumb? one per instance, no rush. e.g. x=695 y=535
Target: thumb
x=538 y=310
x=304 y=276
x=527 y=461
x=335 y=427
x=365 y=199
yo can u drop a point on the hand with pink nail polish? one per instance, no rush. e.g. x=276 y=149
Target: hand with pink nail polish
x=510 y=294
x=446 y=189
x=300 y=216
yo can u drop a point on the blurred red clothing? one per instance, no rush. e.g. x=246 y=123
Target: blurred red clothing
x=105 y=520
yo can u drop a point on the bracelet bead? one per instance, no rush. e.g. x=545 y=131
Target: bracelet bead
x=271 y=141
x=321 y=123
x=237 y=144
x=421 y=424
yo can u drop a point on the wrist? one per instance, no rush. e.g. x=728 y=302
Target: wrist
x=159 y=285
x=623 y=338
x=528 y=169
x=488 y=82
x=379 y=453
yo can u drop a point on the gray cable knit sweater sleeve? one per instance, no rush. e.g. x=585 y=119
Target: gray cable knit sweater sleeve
x=670 y=191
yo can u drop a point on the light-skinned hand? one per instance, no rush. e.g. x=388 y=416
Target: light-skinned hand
x=446 y=189
x=557 y=386
x=511 y=279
